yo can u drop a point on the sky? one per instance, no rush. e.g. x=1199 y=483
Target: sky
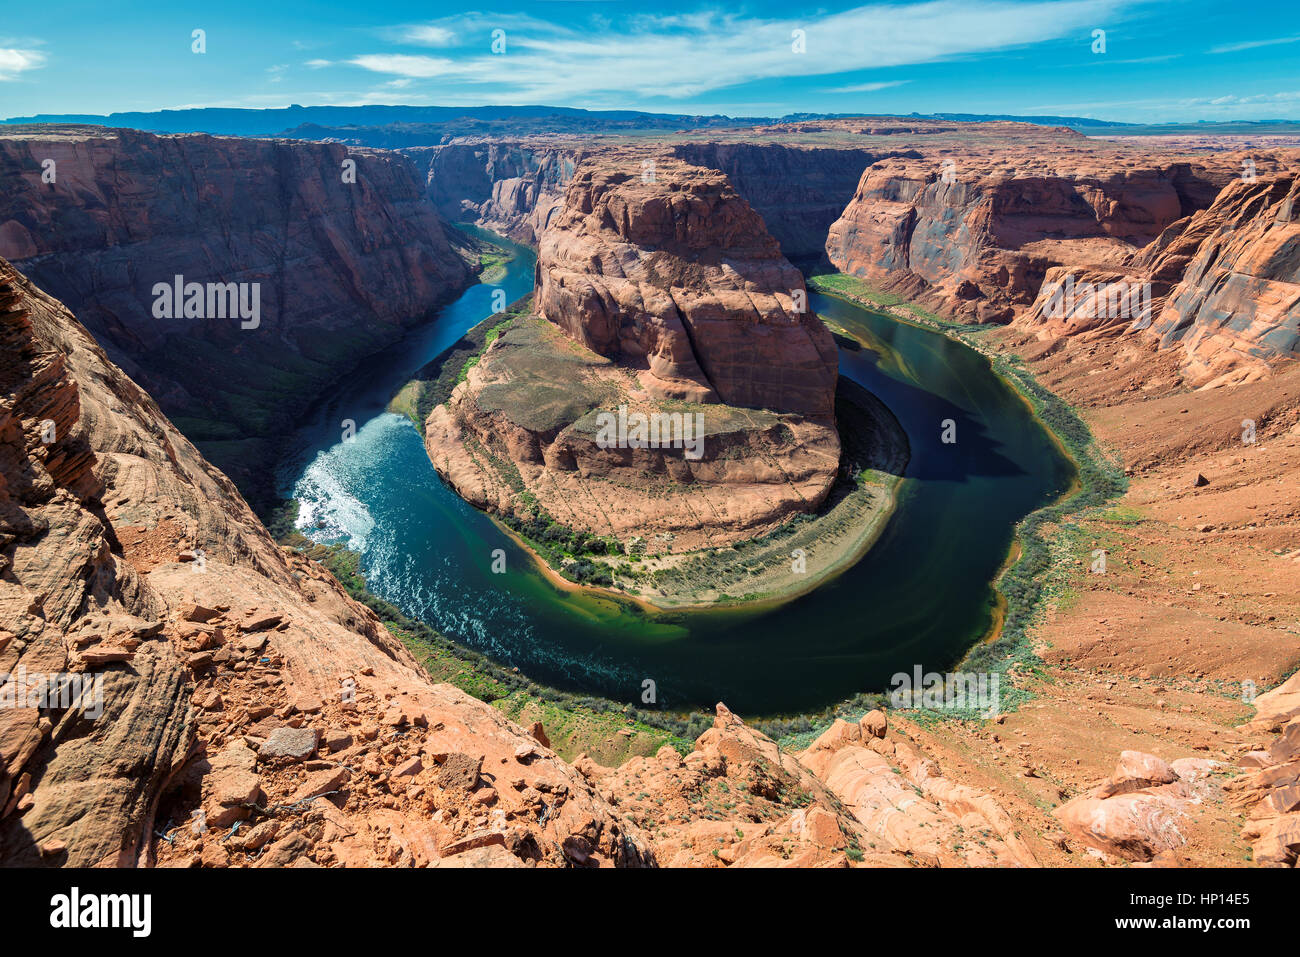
x=1153 y=61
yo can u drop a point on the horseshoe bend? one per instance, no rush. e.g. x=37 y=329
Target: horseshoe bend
x=519 y=487
x=661 y=296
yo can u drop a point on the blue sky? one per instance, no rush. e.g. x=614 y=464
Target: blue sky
x=1163 y=61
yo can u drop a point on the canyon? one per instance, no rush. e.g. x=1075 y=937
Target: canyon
x=255 y=713
x=323 y=241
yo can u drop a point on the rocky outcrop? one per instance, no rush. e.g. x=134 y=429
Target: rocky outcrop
x=973 y=235
x=1136 y=814
x=1221 y=286
x=661 y=298
x=674 y=274
x=854 y=795
x=342 y=260
x=1236 y=308
x=219 y=701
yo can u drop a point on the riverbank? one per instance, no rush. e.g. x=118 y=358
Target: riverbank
x=1030 y=579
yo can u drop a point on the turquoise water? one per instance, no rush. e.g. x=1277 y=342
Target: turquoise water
x=920 y=596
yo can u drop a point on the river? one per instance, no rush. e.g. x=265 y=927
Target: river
x=922 y=595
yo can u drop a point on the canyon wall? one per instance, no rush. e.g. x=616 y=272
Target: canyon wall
x=1185 y=252
x=973 y=236
x=516 y=187
x=341 y=267
x=1236 y=308
x=512 y=188
x=1222 y=286
x=799 y=191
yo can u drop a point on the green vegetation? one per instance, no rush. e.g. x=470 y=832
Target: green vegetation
x=434 y=382
x=492 y=263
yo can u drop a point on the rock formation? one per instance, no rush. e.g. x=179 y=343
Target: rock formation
x=662 y=296
x=1222 y=285
x=856 y=794
x=1188 y=251
x=514 y=186
x=343 y=264
x=1135 y=815
x=974 y=233
x=678 y=277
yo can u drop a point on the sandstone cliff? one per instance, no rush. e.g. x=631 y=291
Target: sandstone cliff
x=661 y=295
x=973 y=234
x=678 y=278
x=1221 y=286
x=341 y=268
x=1185 y=251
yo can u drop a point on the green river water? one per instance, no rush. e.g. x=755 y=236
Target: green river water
x=921 y=596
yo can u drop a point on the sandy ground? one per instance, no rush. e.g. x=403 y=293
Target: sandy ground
x=1201 y=595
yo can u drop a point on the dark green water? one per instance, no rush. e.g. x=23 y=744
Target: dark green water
x=920 y=596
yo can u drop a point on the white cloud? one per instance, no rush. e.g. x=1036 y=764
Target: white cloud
x=866 y=87
x=401 y=64
x=1252 y=45
x=429 y=35
x=685 y=55
x=317 y=64
x=14 y=61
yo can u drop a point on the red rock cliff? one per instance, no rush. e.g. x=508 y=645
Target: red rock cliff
x=243 y=692
x=678 y=277
x=342 y=268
